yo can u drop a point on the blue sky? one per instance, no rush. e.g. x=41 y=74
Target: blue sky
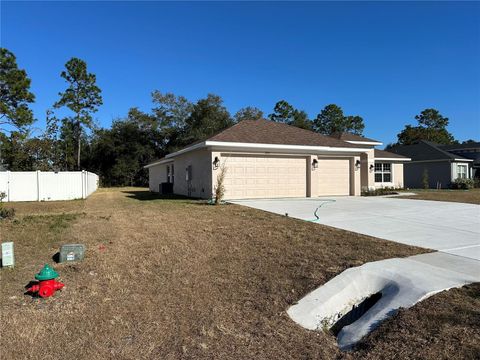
x=383 y=61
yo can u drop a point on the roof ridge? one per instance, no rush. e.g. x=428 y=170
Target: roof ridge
x=351 y=136
x=436 y=147
x=279 y=125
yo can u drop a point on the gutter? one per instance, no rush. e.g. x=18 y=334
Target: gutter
x=255 y=146
x=240 y=145
x=392 y=159
x=159 y=162
x=442 y=160
x=363 y=142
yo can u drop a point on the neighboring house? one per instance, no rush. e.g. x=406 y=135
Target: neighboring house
x=469 y=151
x=265 y=159
x=442 y=166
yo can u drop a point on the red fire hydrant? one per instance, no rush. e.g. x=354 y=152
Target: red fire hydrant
x=46 y=285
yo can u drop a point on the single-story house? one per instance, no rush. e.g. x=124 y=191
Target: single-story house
x=265 y=159
x=469 y=150
x=440 y=164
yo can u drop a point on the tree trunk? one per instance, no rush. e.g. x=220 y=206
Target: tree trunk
x=79 y=141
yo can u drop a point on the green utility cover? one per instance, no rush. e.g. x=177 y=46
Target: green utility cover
x=47 y=273
x=72 y=252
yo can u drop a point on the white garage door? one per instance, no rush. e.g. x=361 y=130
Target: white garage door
x=264 y=176
x=333 y=176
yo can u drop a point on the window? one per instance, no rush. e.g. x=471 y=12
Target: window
x=383 y=172
x=462 y=172
x=172 y=175
x=168 y=173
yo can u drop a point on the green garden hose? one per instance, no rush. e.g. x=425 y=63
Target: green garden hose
x=326 y=201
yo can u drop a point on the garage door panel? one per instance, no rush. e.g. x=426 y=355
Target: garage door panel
x=333 y=177
x=264 y=176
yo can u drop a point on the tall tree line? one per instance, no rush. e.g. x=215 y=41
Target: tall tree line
x=118 y=153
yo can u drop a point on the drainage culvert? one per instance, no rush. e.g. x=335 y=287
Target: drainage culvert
x=356 y=301
x=355 y=313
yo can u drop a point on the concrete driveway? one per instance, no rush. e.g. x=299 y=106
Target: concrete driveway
x=449 y=227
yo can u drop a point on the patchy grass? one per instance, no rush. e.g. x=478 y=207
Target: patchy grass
x=175 y=278
x=463 y=196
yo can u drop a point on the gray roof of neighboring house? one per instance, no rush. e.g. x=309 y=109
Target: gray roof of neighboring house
x=387 y=155
x=474 y=145
x=424 y=151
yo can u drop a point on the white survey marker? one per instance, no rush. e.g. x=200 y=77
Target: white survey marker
x=7 y=254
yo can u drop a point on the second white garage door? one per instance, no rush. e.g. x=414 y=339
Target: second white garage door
x=333 y=176
x=264 y=176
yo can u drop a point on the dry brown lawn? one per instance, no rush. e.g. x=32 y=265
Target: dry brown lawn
x=180 y=279
x=463 y=196
x=444 y=326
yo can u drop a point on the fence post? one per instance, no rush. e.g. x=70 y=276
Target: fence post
x=38 y=185
x=8 y=185
x=83 y=184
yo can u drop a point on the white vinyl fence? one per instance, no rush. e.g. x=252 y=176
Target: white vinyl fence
x=47 y=186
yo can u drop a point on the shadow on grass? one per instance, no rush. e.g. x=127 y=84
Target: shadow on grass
x=148 y=196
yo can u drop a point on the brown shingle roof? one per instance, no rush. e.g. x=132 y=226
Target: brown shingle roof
x=351 y=137
x=270 y=132
x=386 y=154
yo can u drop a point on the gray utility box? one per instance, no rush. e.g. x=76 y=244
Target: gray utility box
x=72 y=252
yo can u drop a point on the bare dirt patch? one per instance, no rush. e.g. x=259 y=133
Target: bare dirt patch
x=171 y=279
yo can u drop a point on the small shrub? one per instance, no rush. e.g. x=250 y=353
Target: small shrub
x=476 y=182
x=7 y=213
x=220 y=187
x=462 y=184
x=380 y=191
x=425 y=181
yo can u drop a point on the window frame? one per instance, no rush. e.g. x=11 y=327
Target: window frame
x=386 y=168
x=464 y=172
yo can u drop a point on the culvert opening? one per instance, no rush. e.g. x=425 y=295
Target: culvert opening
x=356 y=313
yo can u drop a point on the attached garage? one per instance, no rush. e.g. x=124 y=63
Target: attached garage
x=264 y=176
x=333 y=176
x=266 y=159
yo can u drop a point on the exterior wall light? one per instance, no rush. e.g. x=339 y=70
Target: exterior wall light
x=315 y=164
x=371 y=168
x=215 y=163
x=357 y=165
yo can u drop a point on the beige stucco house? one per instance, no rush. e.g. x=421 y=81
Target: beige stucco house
x=265 y=159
